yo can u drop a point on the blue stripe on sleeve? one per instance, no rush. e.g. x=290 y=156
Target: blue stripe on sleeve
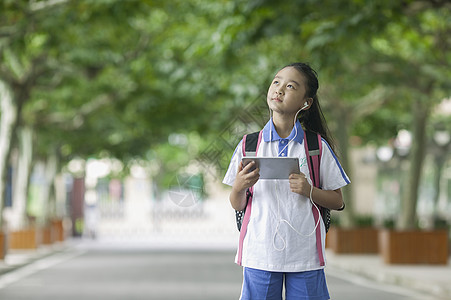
x=338 y=163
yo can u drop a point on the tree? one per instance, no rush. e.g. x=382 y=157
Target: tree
x=117 y=81
x=416 y=44
x=379 y=43
x=123 y=76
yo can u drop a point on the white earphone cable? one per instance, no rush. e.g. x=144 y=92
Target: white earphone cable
x=295 y=129
x=281 y=220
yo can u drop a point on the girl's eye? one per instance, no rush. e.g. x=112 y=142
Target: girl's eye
x=275 y=82
x=290 y=86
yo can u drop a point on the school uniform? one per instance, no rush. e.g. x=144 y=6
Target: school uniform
x=281 y=235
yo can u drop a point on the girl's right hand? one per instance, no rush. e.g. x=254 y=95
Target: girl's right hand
x=247 y=176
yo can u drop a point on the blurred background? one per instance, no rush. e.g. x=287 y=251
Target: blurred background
x=118 y=118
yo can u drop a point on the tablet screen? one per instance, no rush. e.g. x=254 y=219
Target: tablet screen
x=275 y=167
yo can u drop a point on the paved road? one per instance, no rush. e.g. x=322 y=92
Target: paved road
x=157 y=275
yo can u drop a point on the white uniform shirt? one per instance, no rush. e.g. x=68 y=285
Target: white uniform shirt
x=280 y=236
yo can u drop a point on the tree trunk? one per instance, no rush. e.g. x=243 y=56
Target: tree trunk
x=407 y=219
x=347 y=216
x=51 y=169
x=22 y=178
x=9 y=117
x=440 y=159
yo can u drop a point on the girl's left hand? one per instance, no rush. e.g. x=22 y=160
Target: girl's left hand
x=299 y=184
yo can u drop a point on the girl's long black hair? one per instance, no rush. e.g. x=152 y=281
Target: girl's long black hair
x=313 y=119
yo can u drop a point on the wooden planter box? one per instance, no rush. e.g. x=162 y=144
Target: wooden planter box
x=2 y=246
x=58 y=230
x=23 y=239
x=48 y=235
x=355 y=240
x=414 y=247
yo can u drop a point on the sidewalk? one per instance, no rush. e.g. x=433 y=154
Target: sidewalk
x=429 y=279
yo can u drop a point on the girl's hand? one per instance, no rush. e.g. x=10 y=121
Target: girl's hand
x=299 y=184
x=246 y=177
x=331 y=199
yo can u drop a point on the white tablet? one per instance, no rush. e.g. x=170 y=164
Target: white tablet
x=274 y=167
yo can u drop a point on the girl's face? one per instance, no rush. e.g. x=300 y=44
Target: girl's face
x=287 y=92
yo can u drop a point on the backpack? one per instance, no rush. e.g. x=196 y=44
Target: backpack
x=312 y=143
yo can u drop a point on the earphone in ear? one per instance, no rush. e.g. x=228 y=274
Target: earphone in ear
x=305 y=105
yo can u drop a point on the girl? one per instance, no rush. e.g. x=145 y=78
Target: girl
x=280 y=244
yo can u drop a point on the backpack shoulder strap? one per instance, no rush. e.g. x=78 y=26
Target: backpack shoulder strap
x=251 y=142
x=250 y=148
x=313 y=150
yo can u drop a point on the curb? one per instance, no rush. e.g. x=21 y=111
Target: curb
x=16 y=259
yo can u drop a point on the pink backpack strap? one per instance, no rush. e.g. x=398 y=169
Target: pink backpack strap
x=243 y=145
x=313 y=158
x=313 y=162
x=249 y=194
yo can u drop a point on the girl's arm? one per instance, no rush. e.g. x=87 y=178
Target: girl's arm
x=245 y=178
x=329 y=199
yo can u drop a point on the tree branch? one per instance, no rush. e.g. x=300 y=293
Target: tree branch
x=420 y=5
x=36 y=6
x=370 y=102
x=77 y=118
x=139 y=48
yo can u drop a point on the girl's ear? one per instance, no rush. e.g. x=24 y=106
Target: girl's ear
x=309 y=102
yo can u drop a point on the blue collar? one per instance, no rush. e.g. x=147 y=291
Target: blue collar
x=269 y=127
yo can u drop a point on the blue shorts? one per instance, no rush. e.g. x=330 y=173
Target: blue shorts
x=265 y=285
